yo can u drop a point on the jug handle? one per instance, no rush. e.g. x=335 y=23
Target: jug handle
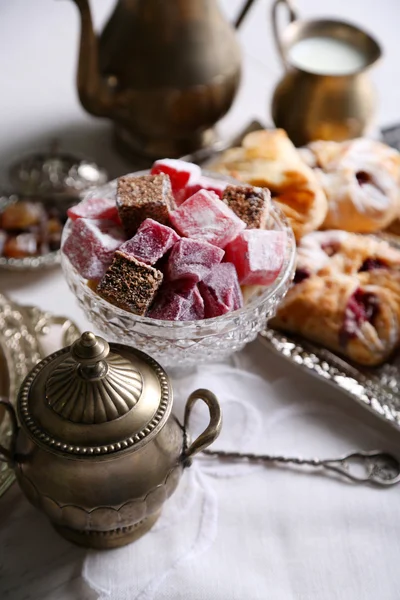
x=275 y=29
x=7 y=456
x=212 y=430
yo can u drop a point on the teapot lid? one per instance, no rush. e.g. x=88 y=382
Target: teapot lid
x=94 y=398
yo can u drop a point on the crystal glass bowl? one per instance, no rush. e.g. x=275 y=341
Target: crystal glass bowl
x=183 y=343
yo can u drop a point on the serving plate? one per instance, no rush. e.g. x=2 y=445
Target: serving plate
x=23 y=333
x=29 y=263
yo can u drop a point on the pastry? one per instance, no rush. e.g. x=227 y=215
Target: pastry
x=345 y=296
x=361 y=179
x=269 y=159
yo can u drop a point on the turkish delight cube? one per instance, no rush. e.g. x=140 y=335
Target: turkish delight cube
x=221 y=291
x=140 y=198
x=130 y=284
x=91 y=245
x=95 y=208
x=204 y=217
x=204 y=183
x=174 y=304
x=258 y=255
x=192 y=260
x=151 y=242
x=180 y=172
x=251 y=204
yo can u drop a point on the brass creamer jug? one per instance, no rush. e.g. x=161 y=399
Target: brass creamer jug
x=98 y=449
x=164 y=71
x=325 y=93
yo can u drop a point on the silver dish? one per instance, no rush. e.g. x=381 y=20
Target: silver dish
x=22 y=333
x=376 y=388
x=29 y=263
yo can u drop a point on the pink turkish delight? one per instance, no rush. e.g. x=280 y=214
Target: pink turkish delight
x=151 y=242
x=204 y=217
x=180 y=172
x=257 y=255
x=91 y=245
x=95 y=208
x=192 y=260
x=221 y=291
x=204 y=183
x=175 y=304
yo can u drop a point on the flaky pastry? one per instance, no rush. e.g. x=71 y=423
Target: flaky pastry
x=269 y=159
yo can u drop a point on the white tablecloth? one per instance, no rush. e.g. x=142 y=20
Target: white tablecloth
x=243 y=534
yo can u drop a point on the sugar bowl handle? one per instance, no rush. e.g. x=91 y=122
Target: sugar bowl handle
x=213 y=429
x=275 y=28
x=7 y=455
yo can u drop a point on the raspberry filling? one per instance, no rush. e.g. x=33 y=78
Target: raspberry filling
x=301 y=275
x=370 y=264
x=363 y=177
x=330 y=248
x=362 y=307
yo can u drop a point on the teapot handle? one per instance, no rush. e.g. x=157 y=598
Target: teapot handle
x=213 y=429
x=275 y=29
x=7 y=456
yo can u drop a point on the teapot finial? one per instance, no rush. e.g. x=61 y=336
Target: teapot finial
x=90 y=350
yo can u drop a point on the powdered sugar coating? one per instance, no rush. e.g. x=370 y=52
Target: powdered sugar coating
x=221 y=291
x=192 y=260
x=91 y=246
x=178 y=304
x=180 y=172
x=95 y=208
x=204 y=217
x=258 y=255
x=151 y=242
x=204 y=183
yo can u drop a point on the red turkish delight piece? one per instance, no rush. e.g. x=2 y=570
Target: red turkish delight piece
x=151 y=242
x=95 y=208
x=221 y=291
x=257 y=255
x=204 y=217
x=204 y=183
x=91 y=246
x=192 y=260
x=174 y=304
x=181 y=173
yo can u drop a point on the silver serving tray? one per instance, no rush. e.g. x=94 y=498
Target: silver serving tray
x=376 y=388
x=22 y=333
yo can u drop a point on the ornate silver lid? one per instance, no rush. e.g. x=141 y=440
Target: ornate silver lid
x=94 y=398
x=54 y=173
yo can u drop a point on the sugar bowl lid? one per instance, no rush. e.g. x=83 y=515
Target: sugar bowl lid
x=54 y=173
x=94 y=398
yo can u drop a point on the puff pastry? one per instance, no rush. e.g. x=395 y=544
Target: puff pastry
x=269 y=159
x=346 y=296
x=361 y=179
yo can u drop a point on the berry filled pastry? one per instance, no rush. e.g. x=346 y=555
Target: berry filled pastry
x=361 y=179
x=268 y=159
x=345 y=296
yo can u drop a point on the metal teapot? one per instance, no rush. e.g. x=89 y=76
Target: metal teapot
x=164 y=72
x=98 y=450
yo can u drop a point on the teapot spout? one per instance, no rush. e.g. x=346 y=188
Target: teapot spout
x=95 y=96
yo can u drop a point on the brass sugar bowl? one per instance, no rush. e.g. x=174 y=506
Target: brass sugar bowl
x=98 y=449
